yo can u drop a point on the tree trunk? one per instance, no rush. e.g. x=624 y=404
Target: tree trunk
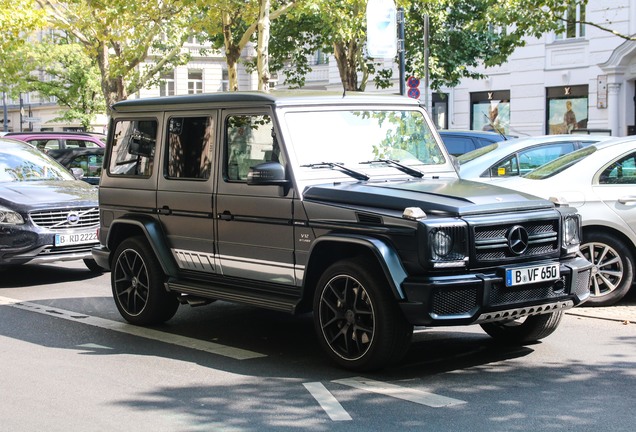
x=232 y=52
x=262 y=48
x=112 y=87
x=345 y=54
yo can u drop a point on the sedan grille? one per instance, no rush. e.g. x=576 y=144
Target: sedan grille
x=67 y=218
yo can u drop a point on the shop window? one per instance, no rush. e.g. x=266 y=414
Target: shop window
x=567 y=109
x=490 y=111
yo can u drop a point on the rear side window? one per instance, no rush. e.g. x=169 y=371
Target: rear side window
x=133 y=148
x=623 y=171
x=91 y=164
x=78 y=143
x=190 y=147
x=458 y=145
x=46 y=144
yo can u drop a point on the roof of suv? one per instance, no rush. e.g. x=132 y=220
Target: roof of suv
x=280 y=98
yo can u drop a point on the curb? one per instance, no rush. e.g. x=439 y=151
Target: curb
x=622 y=314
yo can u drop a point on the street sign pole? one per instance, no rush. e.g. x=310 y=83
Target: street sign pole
x=400 y=22
x=6 y=112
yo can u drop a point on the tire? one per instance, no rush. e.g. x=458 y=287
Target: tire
x=92 y=265
x=356 y=317
x=613 y=267
x=137 y=282
x=523 y=331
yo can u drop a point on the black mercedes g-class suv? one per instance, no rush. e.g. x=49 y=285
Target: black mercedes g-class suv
x=345 y=205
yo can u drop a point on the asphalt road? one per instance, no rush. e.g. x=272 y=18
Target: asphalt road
x=69 y=362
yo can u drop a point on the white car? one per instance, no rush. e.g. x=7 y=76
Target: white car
x=519 y=156
x=600 y=181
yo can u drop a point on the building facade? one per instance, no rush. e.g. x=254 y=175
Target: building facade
x=583 y=80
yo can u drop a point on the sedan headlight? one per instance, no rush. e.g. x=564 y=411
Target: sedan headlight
x=571 y=233
x=9 y=217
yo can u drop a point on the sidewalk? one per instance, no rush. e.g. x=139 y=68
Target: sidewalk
x=624 y=311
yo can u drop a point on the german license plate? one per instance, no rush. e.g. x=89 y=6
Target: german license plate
x=76 y=238
x=534 y=274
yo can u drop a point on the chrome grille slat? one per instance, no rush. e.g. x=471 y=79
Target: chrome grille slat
x=57 y=220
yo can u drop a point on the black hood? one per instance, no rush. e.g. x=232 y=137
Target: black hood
x=450 y=197
x=29 y=195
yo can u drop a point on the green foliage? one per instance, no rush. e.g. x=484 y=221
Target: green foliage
x=71 y=77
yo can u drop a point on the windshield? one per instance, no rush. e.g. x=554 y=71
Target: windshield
x=356 y=138
x=29 y=164
x=474 y=154
x=559 y=164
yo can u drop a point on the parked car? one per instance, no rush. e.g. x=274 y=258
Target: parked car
x=458 y=142
x=349 y=207
x=46 y=141
x=46 y=214
x=519 y=156
x=88 y=159
x=600 y=182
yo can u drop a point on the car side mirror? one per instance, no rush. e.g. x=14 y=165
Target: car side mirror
x=267 y=173
x=78 y=173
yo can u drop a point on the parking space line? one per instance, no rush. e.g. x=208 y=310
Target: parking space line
x=327 y=401
x=404 y=393
x=211 y=347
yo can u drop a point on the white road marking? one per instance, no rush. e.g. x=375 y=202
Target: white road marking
x=94 y=346
x=211 y=347
x=408 y=394
x=327 y=401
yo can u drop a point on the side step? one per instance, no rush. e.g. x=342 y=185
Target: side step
x=236 y=293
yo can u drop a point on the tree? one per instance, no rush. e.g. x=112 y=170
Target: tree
x=17 y=19
x=231 y=25
x=464 y=35
x=120 y=35
x=70 y=76
x=337 y=27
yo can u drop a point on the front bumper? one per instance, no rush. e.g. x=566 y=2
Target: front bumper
x=483 y=297
x=101 y=256
x=29 y=244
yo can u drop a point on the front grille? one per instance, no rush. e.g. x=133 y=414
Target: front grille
x=454 y=302
x=491 y=242
x=58 y=220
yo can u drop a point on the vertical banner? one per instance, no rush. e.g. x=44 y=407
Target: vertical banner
x=381 y=29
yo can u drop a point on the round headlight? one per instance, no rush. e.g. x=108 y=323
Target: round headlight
x=442 y=243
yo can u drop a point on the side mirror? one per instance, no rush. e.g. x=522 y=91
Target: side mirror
x=78 y=173
x=267 y=173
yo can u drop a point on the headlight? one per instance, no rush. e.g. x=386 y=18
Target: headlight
x=571 y=233
x=447 y=245
x=442 y=244
x=9 y=217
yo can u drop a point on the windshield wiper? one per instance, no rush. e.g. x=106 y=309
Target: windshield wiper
x=340 y=167
x=405 y=169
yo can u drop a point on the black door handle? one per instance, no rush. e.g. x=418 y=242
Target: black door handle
x=226 y=215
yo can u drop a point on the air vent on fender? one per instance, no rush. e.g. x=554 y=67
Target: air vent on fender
x=369 y=219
